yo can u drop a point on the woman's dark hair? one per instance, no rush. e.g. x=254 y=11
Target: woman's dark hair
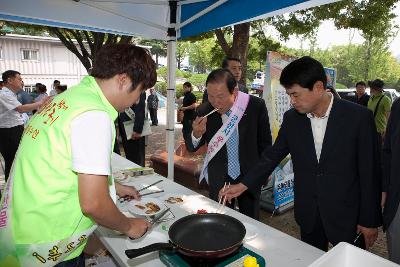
x=187 y=84
x=305 y=72
x=135 y=61
x=222 y=76
x=42 y=88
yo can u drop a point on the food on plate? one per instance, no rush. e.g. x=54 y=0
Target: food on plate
x=202 y=211
x=152 y=208
x=140 y=207
x=173 y=200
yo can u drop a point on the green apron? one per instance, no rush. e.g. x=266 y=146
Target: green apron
x=41 y=222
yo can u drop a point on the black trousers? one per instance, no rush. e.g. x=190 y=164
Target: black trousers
x=135 y=150
x=318 y=238
x=153 y=116
x=186 y=126
x=9 y=142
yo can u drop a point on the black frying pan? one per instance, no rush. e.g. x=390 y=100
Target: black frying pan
x=210 y=235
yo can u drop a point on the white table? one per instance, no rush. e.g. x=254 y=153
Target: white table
x=278 y=248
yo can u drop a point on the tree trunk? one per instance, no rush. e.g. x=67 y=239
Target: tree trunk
x=240 y=45
x=368 y=58
x=89 y=43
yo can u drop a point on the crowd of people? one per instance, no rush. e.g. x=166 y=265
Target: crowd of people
x=344 y=154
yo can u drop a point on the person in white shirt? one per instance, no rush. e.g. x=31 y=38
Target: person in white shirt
x=11 y=119
x=53 y=91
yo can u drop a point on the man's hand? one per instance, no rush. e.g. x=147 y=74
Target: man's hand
x=137 y=227
x=370 y=235
x=232 y=192
x=199 y=126
x=136 y=136
x=383 y=199
x=125 y=190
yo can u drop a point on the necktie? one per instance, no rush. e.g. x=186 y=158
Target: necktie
x=232 y=146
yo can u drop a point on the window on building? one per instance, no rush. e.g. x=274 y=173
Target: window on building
x=30 y=54
x=29 y=88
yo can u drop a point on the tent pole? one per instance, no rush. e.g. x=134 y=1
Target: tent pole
x=171 y=51
x=171 y=63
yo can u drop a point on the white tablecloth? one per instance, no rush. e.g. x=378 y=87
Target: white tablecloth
x=278 y=248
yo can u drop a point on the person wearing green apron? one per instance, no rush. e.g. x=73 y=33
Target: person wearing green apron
x=60 y=186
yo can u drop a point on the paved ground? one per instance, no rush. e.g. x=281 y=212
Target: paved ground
x=284 y=222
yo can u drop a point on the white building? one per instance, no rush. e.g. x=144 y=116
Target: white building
x=40 y=60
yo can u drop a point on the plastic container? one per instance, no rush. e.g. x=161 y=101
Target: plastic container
x=346 y=255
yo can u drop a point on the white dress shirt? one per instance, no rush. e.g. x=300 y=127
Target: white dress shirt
x=9 y=117
x=318 y=126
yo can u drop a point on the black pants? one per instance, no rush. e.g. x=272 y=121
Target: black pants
x=135 y=150
x=9 y=142
x=153 y=116
x=186 y=126
x=318 y=238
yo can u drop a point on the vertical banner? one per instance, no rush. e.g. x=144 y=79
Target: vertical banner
x=331 y=77
x=276 y=99
x=278 y=102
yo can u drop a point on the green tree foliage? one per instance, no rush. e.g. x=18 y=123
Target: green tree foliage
x=350 y=60
x=182 y=50
x=158 y=48
x=200 y=55
x=198 y=80
x=84 y=44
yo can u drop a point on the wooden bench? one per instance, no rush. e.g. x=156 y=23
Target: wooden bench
x=187 y=166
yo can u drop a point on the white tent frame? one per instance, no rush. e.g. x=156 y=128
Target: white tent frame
x=110 y=16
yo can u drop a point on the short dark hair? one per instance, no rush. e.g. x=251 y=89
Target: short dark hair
x=42 y=88
x=135 y=61
x=362 y=83
x=188 y=84
x=226 y=61
x=305 y=72
x=9 y=74
x=222 y=76
x=56 y=81
x=376 y=84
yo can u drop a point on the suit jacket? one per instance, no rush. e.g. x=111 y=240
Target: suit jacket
x=139 y=110
x=344 y=186
x=254 y=137
x=391 y=167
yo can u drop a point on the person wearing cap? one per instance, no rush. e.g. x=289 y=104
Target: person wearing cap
x=380 y=105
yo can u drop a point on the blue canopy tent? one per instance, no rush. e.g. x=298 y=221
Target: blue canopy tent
x=153 y=19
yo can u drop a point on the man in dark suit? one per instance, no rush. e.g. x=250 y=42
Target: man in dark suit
x=135 y=146
x=391 y=183
x=333 y=147
x=253 y=132
x=234 y=65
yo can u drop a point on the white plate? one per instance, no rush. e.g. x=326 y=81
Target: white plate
x=149 y=238
x=251 y=231
x=142 y=212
